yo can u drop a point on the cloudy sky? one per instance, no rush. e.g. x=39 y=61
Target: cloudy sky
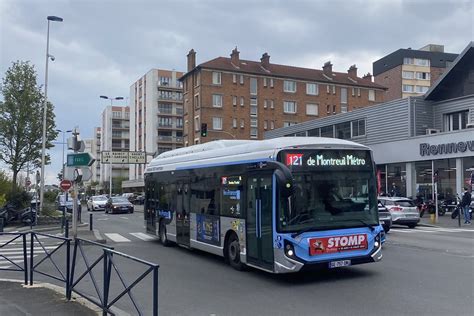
x=103 y=46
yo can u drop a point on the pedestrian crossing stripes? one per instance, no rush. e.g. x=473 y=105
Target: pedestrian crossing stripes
x=115 y=237
x=429 y=230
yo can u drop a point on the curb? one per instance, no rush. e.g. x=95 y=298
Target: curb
x=98 y=237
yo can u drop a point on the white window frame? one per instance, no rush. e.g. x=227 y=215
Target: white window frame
x=265 y=125
x=217 y=123
x=310 y=91
x=272 y=104
x=353 y=92
x=234 y=78
x=344 y=96
x=234 y=123
x=408 y=85
x=328 y=89
x=428 y=75
x=371 y=95
x=216 y=97
x=287 y=86
x=253 y=79
x=242 y=101
x=272 y=124
x=265 y=103
x=333 y=89
x=422 y=62
x=216 y=78
x=358 y=92
x=265 y=81
x=241 y=79
x=242 y=123
x=234 y=100
x=197 y=124
x=314 y=106
x=425 y=88
x=286 y=107
x=358 y=128
x=406 y=76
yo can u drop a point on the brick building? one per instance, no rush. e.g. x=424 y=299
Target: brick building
x=411 y=72
x=242 y=99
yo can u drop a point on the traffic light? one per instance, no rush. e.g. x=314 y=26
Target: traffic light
x=203 y=129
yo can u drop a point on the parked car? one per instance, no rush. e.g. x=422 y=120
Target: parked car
x=63 y=202
x=118 y=204
x=139 y=200
x=403 y=210
x=129 y=196
x=385 y=217
x=96 y=203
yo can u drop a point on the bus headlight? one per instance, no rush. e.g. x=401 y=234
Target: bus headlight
x=289 y=250
x=377 y=241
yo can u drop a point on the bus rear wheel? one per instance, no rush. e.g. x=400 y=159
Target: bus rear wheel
x=163 y=238
x=233 y=253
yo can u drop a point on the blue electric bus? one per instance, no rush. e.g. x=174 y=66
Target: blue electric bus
x=280 y=205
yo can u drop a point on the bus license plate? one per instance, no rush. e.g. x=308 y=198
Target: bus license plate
x=338 y=264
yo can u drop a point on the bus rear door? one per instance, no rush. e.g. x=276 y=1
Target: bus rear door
x=182 y=215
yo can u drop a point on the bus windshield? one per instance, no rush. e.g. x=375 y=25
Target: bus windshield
x=332 y=189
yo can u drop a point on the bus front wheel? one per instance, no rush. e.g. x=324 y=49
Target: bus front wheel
x=233 y=252
x=163 y=238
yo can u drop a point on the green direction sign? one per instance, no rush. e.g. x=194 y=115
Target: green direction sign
x=80 y=159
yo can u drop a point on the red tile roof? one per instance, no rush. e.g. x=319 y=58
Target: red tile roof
x=253 y=67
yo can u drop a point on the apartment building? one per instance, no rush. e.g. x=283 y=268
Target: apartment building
x=156 y=117
x=411 y=72
x=241 y=99
x=96 y=152
x=115 y=136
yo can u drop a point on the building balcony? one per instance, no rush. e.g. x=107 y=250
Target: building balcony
x=169 y=86
x=121 y=127
x=170 y=139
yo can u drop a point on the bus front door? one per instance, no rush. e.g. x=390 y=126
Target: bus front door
x=182 y=215
x=259 y=220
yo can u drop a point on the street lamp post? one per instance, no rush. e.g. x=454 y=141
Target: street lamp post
x=111 y=100
x=64 y=142
x=45 y=106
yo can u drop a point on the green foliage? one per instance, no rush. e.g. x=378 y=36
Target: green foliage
x=5 y=183
x=50 y=196
x=19 y=198
x=3 y=199
x=21 y=119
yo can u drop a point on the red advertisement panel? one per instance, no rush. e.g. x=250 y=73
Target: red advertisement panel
x=324 y=245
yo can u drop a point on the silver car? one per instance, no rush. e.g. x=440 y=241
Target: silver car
x=403 y=210
x=96 y=203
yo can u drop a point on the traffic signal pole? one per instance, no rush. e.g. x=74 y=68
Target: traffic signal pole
x=74 y=186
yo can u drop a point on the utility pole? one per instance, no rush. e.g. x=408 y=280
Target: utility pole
x=75 y=133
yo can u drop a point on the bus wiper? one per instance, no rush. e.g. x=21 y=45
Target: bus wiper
x=302 y=231
x=368 y=225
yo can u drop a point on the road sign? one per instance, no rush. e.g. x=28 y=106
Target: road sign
x=81 y=159
x=136 y=157
x=65 y=185
x=122 y=157
x=86 y=173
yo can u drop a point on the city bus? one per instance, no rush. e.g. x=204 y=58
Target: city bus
x=280 y=205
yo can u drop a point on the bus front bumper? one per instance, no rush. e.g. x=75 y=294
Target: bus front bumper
x=284 y=264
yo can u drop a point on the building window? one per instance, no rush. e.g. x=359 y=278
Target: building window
x=264 y=81
x=312 y=109
x=343 y=108
x=328 y=109
x=353 y=92
x=423 y=75
x=421 y=89
x=455 y=121
x=358 y=128
x=289 y=86
x=344 y=95
x=272 y=125
x=408 y=61
x=271 y=82
x=333 y=89
x=179 y=122
x=371 y=95
x=265 y=125
x=314 y=132
x=343 y=130
x=408 y=88
x=234 y=78
x=312 y=89
x=265 y=103
x=289 y=107
x=234 y=100
x=272 y=106
x=334 y=109
x=253 y=86
x=253 y=123
x=217 y=100
x=253 y=101
x=241 y=79
x=217 y=123
x=116 y=114
x=327 y=131
x=196 y=101
x=197 y=124
x=234 y=123
x=288 y=124
x=408 y=75
x=253 y=132
x=358 y=92
x=328 y=89
x=422 y=62
x=242 y=101
x=242 y=123
x=216 y=77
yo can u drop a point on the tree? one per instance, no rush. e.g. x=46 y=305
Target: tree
x=21 y=119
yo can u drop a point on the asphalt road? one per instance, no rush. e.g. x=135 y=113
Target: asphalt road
x=425 y=271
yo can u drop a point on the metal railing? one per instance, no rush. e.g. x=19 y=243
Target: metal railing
x=9 y=256
x=64 y=276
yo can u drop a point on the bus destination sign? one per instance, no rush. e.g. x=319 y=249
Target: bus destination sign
x=325 y=159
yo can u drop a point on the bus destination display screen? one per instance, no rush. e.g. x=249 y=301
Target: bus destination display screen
x=327 y=159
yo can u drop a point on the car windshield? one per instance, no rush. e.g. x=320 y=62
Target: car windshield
x=99 y=198
x=119 y=199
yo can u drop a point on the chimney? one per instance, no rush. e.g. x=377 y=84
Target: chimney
x=191 y=60
x=327 y=68
x=234 y=57
x=367 y=77
x=352 y=71
x=265 y=61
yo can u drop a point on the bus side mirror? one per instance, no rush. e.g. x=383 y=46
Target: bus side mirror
x=285 y=182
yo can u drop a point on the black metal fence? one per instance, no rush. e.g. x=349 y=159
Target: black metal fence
x=67 y=272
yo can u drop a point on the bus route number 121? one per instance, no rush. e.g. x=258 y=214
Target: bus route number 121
x=294 y=159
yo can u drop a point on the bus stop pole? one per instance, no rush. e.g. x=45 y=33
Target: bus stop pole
x=74 y=211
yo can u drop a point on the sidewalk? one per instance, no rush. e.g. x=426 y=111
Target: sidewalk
x=445 y=222
x=16 y=299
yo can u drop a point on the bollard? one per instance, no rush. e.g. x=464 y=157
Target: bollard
x=66 y=232
x=64 y=218
x=90 y=222
x=1 y=224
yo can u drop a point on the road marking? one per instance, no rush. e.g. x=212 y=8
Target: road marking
x=117 y=237
x=102 y=219
x=123 y=217
x=144 y=236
